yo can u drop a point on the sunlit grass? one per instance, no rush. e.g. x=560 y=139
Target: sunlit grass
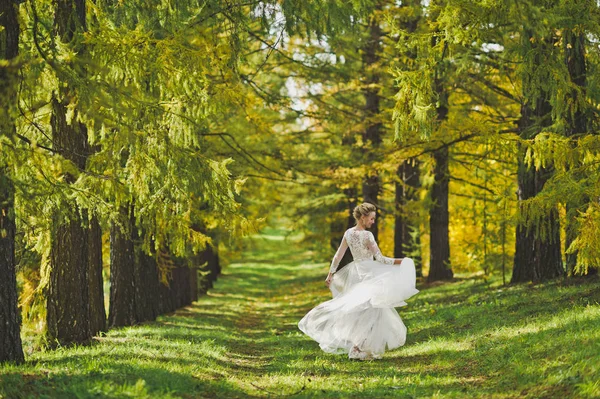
x=469 y=338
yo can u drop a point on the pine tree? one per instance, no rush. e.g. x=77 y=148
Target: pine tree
x=68 y=306
x=537 y=255
x=372 y=136
x=10 y=319
x=578 y=119
x=407 y=240
x=422 y=110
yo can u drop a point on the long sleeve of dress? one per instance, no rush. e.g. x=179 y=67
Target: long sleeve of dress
x=376 y=252
x=338 y=255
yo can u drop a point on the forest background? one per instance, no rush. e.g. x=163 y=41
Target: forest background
x=140 y=140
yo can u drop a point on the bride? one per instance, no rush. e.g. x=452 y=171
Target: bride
x=361 y=320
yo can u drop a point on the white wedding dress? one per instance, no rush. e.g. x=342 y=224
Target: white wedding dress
x=361 y=320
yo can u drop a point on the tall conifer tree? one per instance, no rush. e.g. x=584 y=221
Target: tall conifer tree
x=10 y=319
x=68 y=303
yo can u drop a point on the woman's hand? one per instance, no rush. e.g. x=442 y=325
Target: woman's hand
x=397 y=261
x=328 y=279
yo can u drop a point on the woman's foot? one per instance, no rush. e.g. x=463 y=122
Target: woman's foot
x=356 y=353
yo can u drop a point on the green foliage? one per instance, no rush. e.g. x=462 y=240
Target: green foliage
x=170 y=96
x=494 y=58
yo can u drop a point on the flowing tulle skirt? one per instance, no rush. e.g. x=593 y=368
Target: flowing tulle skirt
x=361 y=314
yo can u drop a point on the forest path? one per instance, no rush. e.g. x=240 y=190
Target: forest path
x=468 y=338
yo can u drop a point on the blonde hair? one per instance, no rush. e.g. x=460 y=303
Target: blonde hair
x=363 y=210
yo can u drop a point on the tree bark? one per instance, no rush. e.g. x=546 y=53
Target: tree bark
x=525 y=241
x=166 y=302
x=134 y=284
x=96 y=282
x=180 y=286
x=407 y=240
x=11 y=349
x=339 y=227
x=68 y=305
x=122 y=306
x=193 y=284
x=10 y=319
x=537 y=258
x=147 y=285
x=211 y=269
x=439 y=268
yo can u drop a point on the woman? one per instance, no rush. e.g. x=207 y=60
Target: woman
x=361 y=320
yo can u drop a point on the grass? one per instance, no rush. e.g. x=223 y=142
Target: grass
x=468 y=338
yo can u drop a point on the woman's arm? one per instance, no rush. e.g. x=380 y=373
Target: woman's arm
x=337 y=259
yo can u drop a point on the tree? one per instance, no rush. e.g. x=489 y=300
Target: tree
x=122 y=311
x=372 y=136
x=10 y=319
x=579 y=120
x=439 y=268
x=407 y=240
x=537 y=254
x=98 y=321
x=422 y=109
x=69 y=318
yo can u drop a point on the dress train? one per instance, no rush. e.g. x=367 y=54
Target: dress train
x=361 y=320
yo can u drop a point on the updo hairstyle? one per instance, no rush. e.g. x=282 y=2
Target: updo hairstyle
x=363 y=210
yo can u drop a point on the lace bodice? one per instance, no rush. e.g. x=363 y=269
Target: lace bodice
x=362 y=246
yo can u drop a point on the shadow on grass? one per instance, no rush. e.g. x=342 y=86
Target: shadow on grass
x=121 y=381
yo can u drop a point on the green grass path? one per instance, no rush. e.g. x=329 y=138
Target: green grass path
x=465 y=339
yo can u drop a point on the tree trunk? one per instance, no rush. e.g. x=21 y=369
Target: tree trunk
x=167 y=301
x=147 y=285
x=68 y=305
x=439 y=246
x=211 y=269
x=439 y=268
x=372 y=136
x=96 y=288
x=122 y=307
x=11 y=349
x=68 y=297
x=339 y=227
x=370 y=189
x=134 y=280
x=578 y=122
x=213 y=261
x=10 y=320
x=525 y=241
x=180 y=284
x=194 y=284
x=407 y=240
x=537 y=257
